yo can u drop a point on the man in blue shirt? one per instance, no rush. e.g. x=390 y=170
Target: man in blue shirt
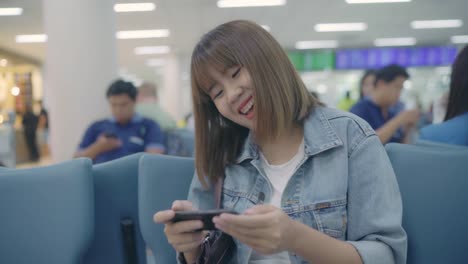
x=124 y=133
x=375 y=109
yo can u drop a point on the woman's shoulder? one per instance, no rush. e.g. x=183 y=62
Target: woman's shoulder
x=341 y=121
x=455 y=129
x=327 y=127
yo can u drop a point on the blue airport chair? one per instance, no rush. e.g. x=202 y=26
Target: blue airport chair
x=428 y=143
x=117 y=237
x=180 y=142
x=162 y=179
x=47 y=213
x=433 y=185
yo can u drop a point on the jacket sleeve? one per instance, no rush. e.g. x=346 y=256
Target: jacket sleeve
x=374 y=205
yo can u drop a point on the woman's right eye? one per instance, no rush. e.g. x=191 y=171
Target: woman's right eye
x=217 y=94
x=236 y=73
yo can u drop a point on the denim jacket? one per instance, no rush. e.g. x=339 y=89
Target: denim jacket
x=344 y=187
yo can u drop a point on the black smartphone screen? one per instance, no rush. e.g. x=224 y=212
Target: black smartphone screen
x=110 y=135
x=205 y=216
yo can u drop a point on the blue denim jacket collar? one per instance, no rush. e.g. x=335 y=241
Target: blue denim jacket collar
x=319 y=136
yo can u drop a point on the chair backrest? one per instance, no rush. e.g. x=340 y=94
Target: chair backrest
x=46 y=213
x=162 y=179
x=180 y=142
x=433 y=185
x=428 y=143
x=116 y=187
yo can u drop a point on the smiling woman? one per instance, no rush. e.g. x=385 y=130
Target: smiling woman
x=222 y=62
x=310 y=183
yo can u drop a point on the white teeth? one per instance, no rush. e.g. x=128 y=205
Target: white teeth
x=247 y=107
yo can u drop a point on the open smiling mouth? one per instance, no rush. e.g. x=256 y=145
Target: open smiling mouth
x=247 y=108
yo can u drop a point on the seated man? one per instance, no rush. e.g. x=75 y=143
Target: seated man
x=124 y=133
x=389 y=125
x=148 y=106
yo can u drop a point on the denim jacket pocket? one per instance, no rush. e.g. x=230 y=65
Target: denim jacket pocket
x=331 y=218
x=237 y=201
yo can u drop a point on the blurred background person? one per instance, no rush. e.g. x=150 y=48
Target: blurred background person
x=375 y=109
x=439 y=108
x=346 y=102
x=43 y=130
x=124 y=133
x=366 y=84
x=30 y=121
x=454 y=129
x=148 y=106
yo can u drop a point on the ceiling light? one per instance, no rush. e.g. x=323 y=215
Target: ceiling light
x=450 y=23
x=340 y=27
x=375 y=1
x=31 y=38
x=3 y=62
x=11 y=11
x=459 y=39
x=134 y=7
x=317 y=44
x=249 y=3
x=385 y=42
x=140 y=34
x=155 y=62
x=152 y=50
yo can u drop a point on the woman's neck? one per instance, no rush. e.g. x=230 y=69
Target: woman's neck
x=284 y=147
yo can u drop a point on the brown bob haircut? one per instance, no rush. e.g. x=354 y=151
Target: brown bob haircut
x=281 y=98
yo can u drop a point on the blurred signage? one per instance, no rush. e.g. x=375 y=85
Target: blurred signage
x=407 y=57
x=312 y=60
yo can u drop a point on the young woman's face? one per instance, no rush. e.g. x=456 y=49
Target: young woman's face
x=232 y=93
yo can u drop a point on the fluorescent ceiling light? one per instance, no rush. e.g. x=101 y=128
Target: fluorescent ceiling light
x=134 y=7
x=375 y=1
x=450 y=23
x=155 y=62
x=459 y=39
x=12 y=11
x=249 y=3
x=152 y=50
x=31 y=38
x=340 y=27
x=317 y=44
x=140 y=34
x=267 y=28
x=385 y=42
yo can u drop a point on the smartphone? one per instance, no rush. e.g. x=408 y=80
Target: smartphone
x=205 y=216
x=110 y=135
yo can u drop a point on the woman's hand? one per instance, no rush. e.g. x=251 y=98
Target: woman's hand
x=184 y=236
x=264 y=228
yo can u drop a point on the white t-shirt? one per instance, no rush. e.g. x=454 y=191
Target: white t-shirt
x=279 y=176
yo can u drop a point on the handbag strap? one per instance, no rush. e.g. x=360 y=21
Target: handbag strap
x=218 y=192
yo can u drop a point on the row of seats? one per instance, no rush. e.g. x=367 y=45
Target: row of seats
x=74 y=212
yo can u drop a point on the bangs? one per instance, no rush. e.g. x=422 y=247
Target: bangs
x=206 y=57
